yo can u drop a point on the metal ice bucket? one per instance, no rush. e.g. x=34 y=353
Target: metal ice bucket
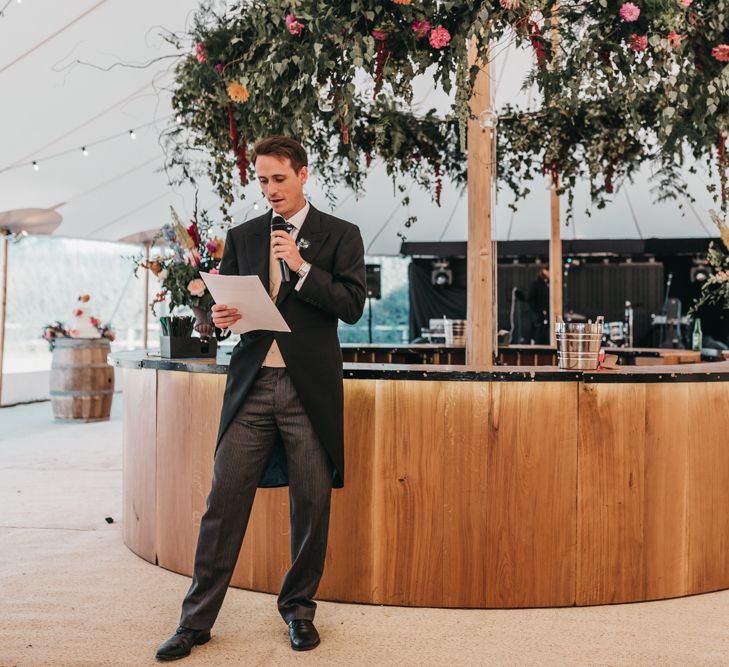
x=578 y=344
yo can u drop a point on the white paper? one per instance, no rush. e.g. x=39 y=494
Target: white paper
x=247 y=295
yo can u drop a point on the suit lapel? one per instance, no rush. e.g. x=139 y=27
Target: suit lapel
x=258 y=248
x=310 y=233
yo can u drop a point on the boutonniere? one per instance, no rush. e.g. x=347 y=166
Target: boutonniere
x=303 y=244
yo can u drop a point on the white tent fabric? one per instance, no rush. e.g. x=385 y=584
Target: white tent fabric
x=52 y=104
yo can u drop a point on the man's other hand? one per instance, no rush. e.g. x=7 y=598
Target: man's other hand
x=224 y=317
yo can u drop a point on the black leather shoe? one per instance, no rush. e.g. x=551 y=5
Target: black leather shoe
x=303 y=634
x=181 y=643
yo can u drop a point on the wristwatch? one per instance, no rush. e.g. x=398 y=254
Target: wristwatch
x=303 y=270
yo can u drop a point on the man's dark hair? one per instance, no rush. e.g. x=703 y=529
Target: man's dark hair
x=282 y=147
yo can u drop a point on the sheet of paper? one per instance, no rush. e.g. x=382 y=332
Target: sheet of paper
x=247 y=295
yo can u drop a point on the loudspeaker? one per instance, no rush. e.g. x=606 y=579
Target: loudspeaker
x=372 y=277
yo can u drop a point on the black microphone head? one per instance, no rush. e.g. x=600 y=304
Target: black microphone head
x=277 y=222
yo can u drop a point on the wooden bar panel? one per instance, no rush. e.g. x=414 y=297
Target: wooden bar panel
x=175 y=451
x=665 y=512
x=531 y=504
x=139 y=464
x=610 y=493
x=465 y=410
x=408 y=501
x=708 y=494
x=205 y=390
x=349 y=571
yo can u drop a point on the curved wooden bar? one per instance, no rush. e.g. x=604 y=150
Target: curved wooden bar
x=512 y=488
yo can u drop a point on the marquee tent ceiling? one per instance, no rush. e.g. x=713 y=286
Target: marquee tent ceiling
x=62 y=89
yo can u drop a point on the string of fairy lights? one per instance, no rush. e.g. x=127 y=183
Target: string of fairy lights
x=82 y=149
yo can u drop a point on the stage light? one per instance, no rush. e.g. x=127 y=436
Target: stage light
x=441 y=275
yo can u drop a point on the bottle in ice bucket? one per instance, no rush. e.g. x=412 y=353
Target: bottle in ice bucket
x=697 y=338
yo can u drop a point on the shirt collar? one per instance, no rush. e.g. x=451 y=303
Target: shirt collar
x=297 y=219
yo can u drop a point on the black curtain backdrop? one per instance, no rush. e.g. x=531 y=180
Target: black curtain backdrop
x=591 y=289
x=430 y=301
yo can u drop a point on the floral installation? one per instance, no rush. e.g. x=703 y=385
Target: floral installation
x=191 y=249
x=600 y=118
x=715 y=291
x=55 y=330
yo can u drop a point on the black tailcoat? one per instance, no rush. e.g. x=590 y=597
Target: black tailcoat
x=334 y=289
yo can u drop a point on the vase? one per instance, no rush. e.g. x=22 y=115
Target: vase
x=202 y=322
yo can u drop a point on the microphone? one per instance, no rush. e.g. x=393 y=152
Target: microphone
x=277 y=222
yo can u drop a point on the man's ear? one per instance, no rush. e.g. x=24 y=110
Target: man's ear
x=304 y=175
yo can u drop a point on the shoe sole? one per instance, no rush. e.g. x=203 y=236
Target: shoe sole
x=179 y=657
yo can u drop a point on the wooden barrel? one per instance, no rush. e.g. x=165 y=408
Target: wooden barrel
x=82 y=382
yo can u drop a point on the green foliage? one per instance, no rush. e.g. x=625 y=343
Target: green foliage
x=715 y=291
x=604 y=108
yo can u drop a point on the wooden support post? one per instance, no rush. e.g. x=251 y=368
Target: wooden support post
x=555 y=266
x=3 y=308
x=555 y=238
x=146 y=293
x=480 y=342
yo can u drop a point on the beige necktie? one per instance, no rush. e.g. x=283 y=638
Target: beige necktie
x=273 y=357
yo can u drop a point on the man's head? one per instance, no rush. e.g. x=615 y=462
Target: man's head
x=282 y=170
x=544 y=274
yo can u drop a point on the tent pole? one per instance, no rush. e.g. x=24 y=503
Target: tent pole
x=3 y=306
x=480 y=259
x=146 y=293
x=555 y=239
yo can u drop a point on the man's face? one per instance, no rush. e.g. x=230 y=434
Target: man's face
x=281 y=185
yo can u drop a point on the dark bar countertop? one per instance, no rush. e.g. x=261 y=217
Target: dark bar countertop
x=701 y=372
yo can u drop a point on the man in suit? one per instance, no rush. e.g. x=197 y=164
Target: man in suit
x=538 y=300
x=282 y=417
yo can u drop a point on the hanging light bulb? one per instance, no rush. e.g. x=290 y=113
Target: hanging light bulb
x=178 y=119
x=84 y=152
x=256 y=206
x=132 y=135
x=488 y=120
x=36 y=166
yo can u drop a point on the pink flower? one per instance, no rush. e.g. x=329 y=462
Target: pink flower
x=219 y=68
x=380 y=35
x=420 y=28
x=215 y=271
x=439 y=37
x=629 y=12
x=510 y=4
x=78 y=312
x=674 y=39
x=294 y=27
x=638 y=43
x=721 y=53
x=200 y=52
x=192 y=256
x=685 y=3
x=196 y=287
x=212 y=246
